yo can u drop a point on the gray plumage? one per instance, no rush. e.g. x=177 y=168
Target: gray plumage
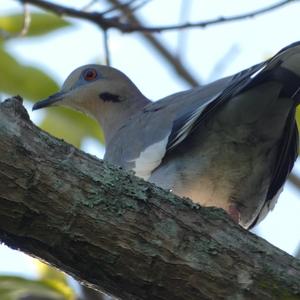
x=229 y=144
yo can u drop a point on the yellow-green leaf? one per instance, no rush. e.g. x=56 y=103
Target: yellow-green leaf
x=47 y=272
x=71 y=126
x=298 y=117
x=13 y=288
x=40 y=24
x=27 y=81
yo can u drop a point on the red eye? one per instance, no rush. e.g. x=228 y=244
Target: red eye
x=90 y=74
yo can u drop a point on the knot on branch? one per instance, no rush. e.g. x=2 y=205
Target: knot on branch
x=14 y=107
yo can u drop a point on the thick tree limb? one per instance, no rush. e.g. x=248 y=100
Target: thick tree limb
x=121 y=234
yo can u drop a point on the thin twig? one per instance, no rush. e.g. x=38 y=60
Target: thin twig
x=139 y=5
x=185 y=9
x=215 y=21
x=298 y=252
x=106 y=47
x=220 y=66
x=114 y=8
x=294 y=180
x=89 y=5
x=26 y=21
x=61 y=10
x=25 y=26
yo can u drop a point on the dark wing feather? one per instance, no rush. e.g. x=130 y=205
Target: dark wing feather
x=286 y=157
x=188 y=122
x=242 y=81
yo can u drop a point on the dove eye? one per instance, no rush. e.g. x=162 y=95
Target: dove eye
x=90 y=74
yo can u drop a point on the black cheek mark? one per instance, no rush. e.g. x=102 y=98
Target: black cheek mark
x=108 y=97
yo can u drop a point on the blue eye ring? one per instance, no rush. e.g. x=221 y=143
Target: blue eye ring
x=90 y=74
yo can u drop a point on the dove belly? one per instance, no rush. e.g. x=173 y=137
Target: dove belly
x=220 y=174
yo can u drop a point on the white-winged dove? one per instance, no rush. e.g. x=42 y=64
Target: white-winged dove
x=229 y=144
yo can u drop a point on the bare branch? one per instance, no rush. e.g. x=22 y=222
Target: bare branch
x=25 y=27
x=211 y=22
x=139 y=5
x=220 y=66
x=107 y=23
x=61 y=10
x=185 y=9
x=294 y=180
x=106 y=47
x=26 y=21
x=89 y=5
x=298 y=252
x=116 y=7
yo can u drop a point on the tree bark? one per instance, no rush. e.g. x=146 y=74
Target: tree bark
x=120 y=234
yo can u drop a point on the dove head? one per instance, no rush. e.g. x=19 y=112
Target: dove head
x=101 y=92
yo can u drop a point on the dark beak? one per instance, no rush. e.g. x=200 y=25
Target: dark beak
x=49 y=101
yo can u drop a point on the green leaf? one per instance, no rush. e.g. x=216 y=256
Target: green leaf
x=46 y=272
x=40 y=24
x=13 y=287
x=298 y=116
x=71 y=126
x=27 y=81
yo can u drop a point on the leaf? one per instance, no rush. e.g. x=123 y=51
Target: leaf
x=13 y=288
x=55 y=278
x=298 y=116
x=40 y=24
x=47 y=272
x=71 y=126
x=27 y=81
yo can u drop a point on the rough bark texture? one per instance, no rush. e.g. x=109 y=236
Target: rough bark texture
x=120 y=234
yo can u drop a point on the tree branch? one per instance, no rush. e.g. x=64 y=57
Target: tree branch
x=120 y=234
x=106 y=23
x=216 y=21
x=294 y=180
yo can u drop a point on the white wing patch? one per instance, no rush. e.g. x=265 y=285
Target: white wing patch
x=184 y=131
x=258 y=71
x=150 y=159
